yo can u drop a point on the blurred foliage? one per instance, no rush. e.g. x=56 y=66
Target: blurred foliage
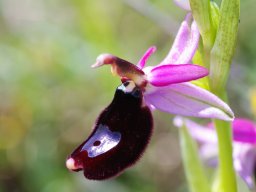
x=50 y=97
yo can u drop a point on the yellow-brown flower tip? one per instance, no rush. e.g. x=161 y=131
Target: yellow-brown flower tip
x=104 y=59
x=72 y=165
x=122 y=68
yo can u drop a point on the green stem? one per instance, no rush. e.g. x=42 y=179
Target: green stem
x=227 y=178
x=194 y=170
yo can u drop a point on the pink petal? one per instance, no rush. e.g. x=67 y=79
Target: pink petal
x=244 y=161
x=145 y=57
x=188 y=100
x=244 y=131
x=201 y=133
x=169 y=74
x=209 y=153
x=185 y=44
x=184 y=4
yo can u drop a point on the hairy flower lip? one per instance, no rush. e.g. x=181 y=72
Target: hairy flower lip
x=118 y=139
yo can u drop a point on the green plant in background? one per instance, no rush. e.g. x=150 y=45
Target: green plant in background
x=218 y=28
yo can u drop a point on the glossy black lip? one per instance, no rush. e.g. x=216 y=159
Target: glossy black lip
x=125 y=115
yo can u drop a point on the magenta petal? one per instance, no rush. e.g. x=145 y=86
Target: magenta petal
x=145 y=57
x=169 y=74
x=188 y=100
x=184 y=46
x=244 y=131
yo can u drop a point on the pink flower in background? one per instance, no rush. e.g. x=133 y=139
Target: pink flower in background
x=244 y=145
x=184 y=4
x=165 y=86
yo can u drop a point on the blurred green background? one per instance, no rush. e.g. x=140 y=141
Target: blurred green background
x=50 y=97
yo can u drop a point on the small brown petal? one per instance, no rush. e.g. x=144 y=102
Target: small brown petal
x=122 y=68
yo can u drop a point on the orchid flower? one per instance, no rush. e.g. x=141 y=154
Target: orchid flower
x=244 y=145
x=123 y=129
x=166 y=86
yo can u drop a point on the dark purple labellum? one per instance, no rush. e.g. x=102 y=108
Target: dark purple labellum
x=121 y=134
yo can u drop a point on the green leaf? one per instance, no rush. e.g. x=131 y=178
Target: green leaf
x=226 y=179
x=194 y=170
x=215 y=16
x=201 y=13
x=225 y=43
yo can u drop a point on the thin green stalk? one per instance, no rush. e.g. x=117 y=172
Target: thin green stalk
x=226 y=178
x=194 y=170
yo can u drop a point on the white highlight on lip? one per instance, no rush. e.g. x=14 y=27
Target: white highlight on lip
x=129 y=88
x=108 y=140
